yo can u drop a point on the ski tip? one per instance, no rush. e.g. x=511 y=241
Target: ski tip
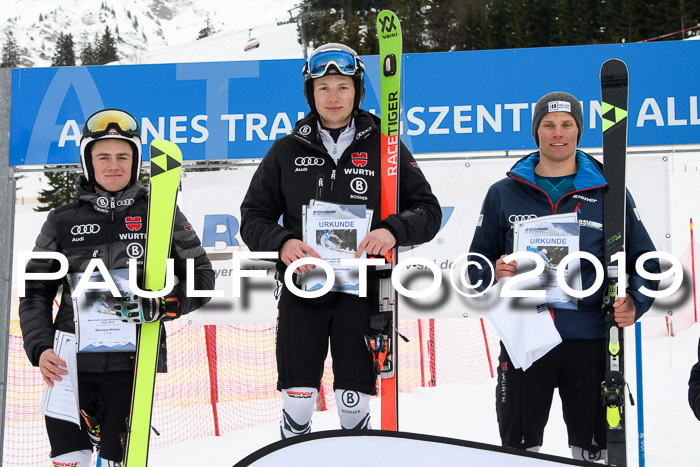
x=613 y=65
x=159 y=147
x=388 y=25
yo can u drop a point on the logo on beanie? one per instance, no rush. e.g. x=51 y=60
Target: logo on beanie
x=560 y=106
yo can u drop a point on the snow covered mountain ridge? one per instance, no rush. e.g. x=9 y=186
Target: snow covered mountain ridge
x=140 y=26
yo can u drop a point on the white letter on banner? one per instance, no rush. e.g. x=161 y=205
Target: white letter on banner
x=23 y=275
x=147 y=127
x=656 y=116
x=237 y=272
x=672 y=121
x=283 y=129
x=483 y=114
x=694 y=116
x=169 y=280
x=258 y=128
x=405 y=264
x=191 y=291
x=595 y=111
x=362 y=264
x=196 y=126
x=435 y=127
x=599 y=273
x=175 y=128
x=459 y=118
x=231 y=119
x=85 y=283
x=420 y=124
x=516 y=108
x=74 y=134
x=289 y=282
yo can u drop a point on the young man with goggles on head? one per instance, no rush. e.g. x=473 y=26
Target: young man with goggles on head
x=343 y=141
x=108 y=221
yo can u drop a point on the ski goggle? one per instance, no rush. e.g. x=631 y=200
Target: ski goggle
x=343 y=61
x=100 y=123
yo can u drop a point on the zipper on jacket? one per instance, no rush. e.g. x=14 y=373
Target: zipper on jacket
x=111 y=205
x=332 y=180
x=319 y=187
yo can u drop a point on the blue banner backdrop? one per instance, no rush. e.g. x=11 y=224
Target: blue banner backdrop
x=452 y=101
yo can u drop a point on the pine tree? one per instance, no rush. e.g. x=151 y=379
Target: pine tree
x=106 y=48
x=65 y=51
x=10 y=52
x=207 y=30
x=62 y=189
x=88 y=54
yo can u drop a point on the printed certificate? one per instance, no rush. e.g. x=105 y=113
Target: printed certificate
x=553 y=238
x=335 y=231
x=96 y=313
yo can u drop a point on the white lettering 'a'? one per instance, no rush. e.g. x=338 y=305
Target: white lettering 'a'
x=655 y=116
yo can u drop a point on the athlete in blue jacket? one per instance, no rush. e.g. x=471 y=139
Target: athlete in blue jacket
x=560 y=179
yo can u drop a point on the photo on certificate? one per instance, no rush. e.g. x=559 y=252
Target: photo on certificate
x=334 y=231
x=98 y=327
x=342 y=240
x=553 y=238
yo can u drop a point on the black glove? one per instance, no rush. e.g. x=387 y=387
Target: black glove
x=153 y=309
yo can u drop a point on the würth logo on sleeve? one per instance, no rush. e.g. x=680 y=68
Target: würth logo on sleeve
x=133 y=223
x=359 y=159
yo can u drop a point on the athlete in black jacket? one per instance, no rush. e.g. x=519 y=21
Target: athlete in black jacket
x=332 y=155
x=107 y=222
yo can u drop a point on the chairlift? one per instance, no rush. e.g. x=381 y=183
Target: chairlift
x=252 y=43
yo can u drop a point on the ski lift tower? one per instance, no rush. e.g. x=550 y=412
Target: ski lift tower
x=303 y=15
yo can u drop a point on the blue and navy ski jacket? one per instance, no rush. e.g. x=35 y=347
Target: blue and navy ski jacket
x=517 y=197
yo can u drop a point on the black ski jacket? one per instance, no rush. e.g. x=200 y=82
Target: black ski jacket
x=297 y=168
x=111 y=227
x=694 y=387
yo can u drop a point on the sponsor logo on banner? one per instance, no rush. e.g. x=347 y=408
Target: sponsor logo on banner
x=359 y=159
x=309 y=161
x=85 y=229
x=133 y=223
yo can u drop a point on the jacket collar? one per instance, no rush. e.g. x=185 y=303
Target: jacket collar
x=589 y=173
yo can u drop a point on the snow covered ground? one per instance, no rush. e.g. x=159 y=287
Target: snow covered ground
x=468 y=412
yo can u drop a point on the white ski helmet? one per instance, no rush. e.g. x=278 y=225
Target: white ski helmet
x=106 y=124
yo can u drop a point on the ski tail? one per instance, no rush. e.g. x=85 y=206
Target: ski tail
x=614 y=92
x=390 y=49
x=166 y=166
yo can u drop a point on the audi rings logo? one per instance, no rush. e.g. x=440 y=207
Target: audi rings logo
x=125 y=202
x=102 y=202
x=85 y=229
x=309 y=161
x=520 y=217
x=305 y=130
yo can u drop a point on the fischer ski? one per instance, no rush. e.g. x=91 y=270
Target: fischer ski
x=166 y=165
x=614 y=91
x=389 y=31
